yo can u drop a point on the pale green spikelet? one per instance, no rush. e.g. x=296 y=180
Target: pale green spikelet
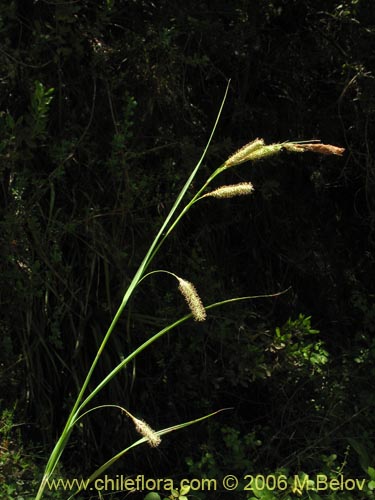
x=241 y=189
x=265 y=151
x=192 y=298
x=146 y=431
x=242 y=154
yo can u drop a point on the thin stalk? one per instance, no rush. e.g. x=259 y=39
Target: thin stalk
x=161 y=432
x=196 y=197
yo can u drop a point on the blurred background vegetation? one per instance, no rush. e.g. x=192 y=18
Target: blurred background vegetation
x=105 y=107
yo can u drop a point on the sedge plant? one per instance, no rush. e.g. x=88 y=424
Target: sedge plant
x=254 y=151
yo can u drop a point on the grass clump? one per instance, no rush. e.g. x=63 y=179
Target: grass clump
x=254 y=151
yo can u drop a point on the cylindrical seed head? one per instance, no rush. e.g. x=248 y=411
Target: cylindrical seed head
x=242 y=154
x=193 y=300
x=146 y=431
x=241 y=189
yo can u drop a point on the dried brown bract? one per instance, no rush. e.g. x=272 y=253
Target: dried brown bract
x=324 y=149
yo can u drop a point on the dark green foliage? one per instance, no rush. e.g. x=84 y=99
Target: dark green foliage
x=104 y=109
x=16 y=469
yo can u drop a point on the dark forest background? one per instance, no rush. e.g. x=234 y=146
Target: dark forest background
x=106 y=107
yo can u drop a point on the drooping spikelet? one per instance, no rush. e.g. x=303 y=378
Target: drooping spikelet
x=192 y=298
x=243 y=154
x=146 y=431
x=241 y=189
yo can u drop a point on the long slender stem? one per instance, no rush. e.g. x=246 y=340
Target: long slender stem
x=186 y=208
x=61 y=443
